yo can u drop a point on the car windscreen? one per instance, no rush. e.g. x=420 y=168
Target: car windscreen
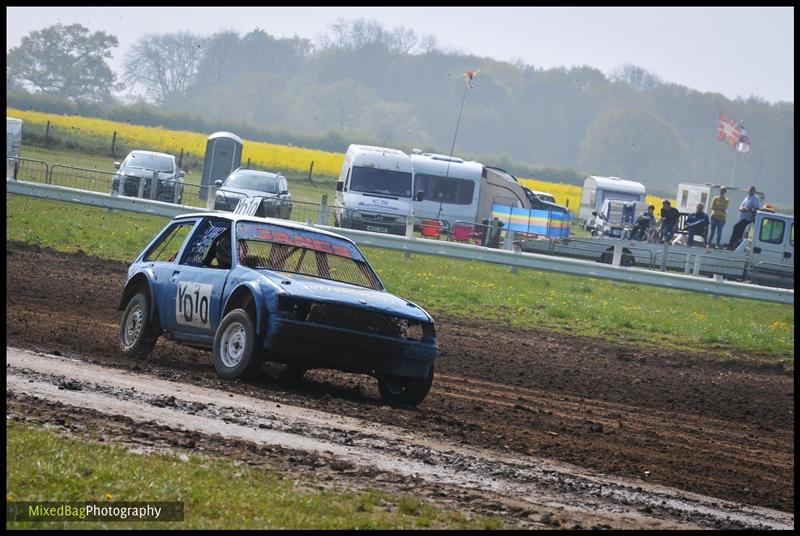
x=285 y=249
x=380 y=181
x=150 y=161
x=249 y=181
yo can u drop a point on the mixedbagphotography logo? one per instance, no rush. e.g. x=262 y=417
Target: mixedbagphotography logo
x=94 y=511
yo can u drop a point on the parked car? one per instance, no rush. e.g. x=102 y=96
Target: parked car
x=543 y=201
x=254 y=289
x=243 y=183
x=140 y=166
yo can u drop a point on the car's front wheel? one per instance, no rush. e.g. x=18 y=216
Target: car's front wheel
x=405 y=391
x=236 y=349
x=138 y=332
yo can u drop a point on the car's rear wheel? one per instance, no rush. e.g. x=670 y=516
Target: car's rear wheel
x=405 y=391
x=138 y=332
x=236 y=349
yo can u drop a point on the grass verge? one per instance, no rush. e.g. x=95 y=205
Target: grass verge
x=763 y=332
x=43 y=465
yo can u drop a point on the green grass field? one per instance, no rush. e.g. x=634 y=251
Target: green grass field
x=651 y=316
x=42 y=465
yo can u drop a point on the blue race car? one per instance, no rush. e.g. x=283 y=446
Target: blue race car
x=258 y=289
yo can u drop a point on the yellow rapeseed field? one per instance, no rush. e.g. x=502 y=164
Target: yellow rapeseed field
x=262 y=154
x=266 y=155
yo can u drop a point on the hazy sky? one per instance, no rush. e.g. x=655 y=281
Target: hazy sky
x=735 y=51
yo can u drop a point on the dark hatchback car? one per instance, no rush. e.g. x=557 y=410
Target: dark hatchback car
x=139 y=167
x=244 y=183
x=259 y=289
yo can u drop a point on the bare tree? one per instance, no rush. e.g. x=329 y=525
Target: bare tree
x=164 y=65
x=638 y=77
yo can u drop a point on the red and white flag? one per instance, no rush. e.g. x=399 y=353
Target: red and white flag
x=727 y=130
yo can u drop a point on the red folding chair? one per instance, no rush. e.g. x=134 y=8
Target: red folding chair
x=461 y=232
x=429 y=228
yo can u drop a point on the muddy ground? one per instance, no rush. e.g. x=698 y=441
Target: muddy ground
x=680 y=419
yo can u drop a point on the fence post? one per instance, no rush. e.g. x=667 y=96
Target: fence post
x=212 y=195
x=615 y=260
x=180 y=160
x=517 y=251
x=47 y=134
x=248 y=163
x=154 y=186
x=140 y=193
x=310 y=171
x=697 y=261
x=114 y=144
x=664 y=259
x=323 y=211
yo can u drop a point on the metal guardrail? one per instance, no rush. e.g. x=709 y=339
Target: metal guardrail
x=438 y=248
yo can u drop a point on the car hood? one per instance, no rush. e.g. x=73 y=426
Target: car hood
x=323 y=290
x=245 y=191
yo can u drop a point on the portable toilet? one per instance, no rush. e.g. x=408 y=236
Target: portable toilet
x=598 y=189
x=223 y=155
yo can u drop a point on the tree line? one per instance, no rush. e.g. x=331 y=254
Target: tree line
x=363 y=83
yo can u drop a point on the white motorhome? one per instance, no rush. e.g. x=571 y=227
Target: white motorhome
x=689 y=195
x=13 y=145
x=457 y=190
x=598 y=189
x=374 y=189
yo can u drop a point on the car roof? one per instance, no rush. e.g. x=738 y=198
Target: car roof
x=236 y=218
x=269 y=174
x=154 y=153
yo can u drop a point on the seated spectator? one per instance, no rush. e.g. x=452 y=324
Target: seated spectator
x=645 y=220
x=697 y=224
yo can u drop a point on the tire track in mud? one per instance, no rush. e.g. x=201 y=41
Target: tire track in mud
x=692 y=422
x=578 y=495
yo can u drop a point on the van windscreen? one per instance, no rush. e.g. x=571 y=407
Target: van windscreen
x=380 y=181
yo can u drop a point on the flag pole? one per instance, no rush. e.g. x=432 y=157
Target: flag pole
x=458 y=123
x=714 y=155
x=735 y=159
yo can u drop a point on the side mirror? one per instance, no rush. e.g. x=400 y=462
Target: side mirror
x=339 y=186
x=116 y=165
x=217 y=183
x=594 y=213
x=284 y=192
x=419 y=197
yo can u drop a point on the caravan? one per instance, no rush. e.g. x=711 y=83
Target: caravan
x=597 y=189
x=374 y=190
x=457 y=190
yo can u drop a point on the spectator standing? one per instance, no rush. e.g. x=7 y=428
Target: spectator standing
x=670 y=216
x=747 y=214
x=719 y=205
x=697 y=224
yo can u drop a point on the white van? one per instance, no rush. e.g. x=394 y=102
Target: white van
x=374 y=189
x=598 y=189
x=450 y=187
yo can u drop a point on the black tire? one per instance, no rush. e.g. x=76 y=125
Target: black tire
x=405 y=391
x=138 y=332
x=236 y=347
x=626 y=260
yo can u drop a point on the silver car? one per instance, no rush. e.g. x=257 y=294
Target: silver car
x=140 y=167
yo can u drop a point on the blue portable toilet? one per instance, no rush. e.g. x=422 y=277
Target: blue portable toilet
x=223 y=155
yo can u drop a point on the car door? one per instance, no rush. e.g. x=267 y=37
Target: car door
x=193 y=299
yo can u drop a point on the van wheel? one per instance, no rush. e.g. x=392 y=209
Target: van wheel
x=138 y=332
x=397 y=390
x=608 y=256
x=236 y=348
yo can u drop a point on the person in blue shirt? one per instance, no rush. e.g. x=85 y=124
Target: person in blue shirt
x=697 y=224
x=645 y=220
x=747 y=214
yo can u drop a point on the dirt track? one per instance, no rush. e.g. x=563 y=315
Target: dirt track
x=667 y=418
